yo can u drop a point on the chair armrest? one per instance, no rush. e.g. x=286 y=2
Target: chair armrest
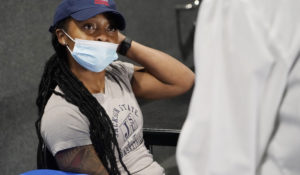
x=161 y=137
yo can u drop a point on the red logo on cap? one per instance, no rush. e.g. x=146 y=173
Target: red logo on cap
x=102 y=2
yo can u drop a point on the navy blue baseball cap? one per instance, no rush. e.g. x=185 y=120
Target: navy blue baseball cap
x=81 y=10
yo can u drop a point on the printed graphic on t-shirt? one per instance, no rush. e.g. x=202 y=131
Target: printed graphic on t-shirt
x=125 y=123
x=128 y=126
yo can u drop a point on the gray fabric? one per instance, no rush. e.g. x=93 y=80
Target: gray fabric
x=63 y=126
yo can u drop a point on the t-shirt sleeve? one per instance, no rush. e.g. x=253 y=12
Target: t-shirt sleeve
x=63 y=127
x=125 y=68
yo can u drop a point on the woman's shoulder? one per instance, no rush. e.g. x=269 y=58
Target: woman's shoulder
x=119 y=74
x=121 y=68
x=121 y=64
x=57 y=102
x=59 y=112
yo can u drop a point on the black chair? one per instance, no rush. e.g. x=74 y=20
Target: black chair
x=160 y=137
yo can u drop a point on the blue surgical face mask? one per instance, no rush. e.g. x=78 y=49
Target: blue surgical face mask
x=93 y=55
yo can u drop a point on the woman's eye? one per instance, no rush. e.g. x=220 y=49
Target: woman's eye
x=89 y=27
x=111 y=28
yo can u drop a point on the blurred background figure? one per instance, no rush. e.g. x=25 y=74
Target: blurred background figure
x=244 y=117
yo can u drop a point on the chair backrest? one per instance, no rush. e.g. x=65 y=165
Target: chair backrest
x=160 y=137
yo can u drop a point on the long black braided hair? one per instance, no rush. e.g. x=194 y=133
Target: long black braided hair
x=58 y=73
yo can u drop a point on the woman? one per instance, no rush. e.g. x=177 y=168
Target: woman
x=88 y=115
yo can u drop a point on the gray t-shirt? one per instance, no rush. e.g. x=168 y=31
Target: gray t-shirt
x=64 y=126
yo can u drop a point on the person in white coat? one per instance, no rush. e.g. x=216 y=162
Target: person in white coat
x=244 y=116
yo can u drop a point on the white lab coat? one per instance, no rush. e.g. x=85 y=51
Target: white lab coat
x=244 y=116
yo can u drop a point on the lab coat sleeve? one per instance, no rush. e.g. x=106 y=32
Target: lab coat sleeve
x=233 y=108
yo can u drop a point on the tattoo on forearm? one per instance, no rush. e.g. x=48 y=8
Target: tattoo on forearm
x=82 y=159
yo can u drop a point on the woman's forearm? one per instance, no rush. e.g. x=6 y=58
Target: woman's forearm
x=162 y=66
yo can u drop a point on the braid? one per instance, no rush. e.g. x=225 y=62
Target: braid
x=102 y=134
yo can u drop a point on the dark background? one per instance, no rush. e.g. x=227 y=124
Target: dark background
x=25 y=46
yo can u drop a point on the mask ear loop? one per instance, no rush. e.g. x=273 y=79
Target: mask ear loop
x=68 y=35
x=69 y=38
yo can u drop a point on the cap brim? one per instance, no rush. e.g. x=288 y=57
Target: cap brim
x=91 y=12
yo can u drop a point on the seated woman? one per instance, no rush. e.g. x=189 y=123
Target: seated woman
x=89 y=118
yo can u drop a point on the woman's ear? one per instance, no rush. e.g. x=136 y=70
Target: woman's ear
x=61 y=37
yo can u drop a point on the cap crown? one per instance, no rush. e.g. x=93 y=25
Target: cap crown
x=70 y=7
